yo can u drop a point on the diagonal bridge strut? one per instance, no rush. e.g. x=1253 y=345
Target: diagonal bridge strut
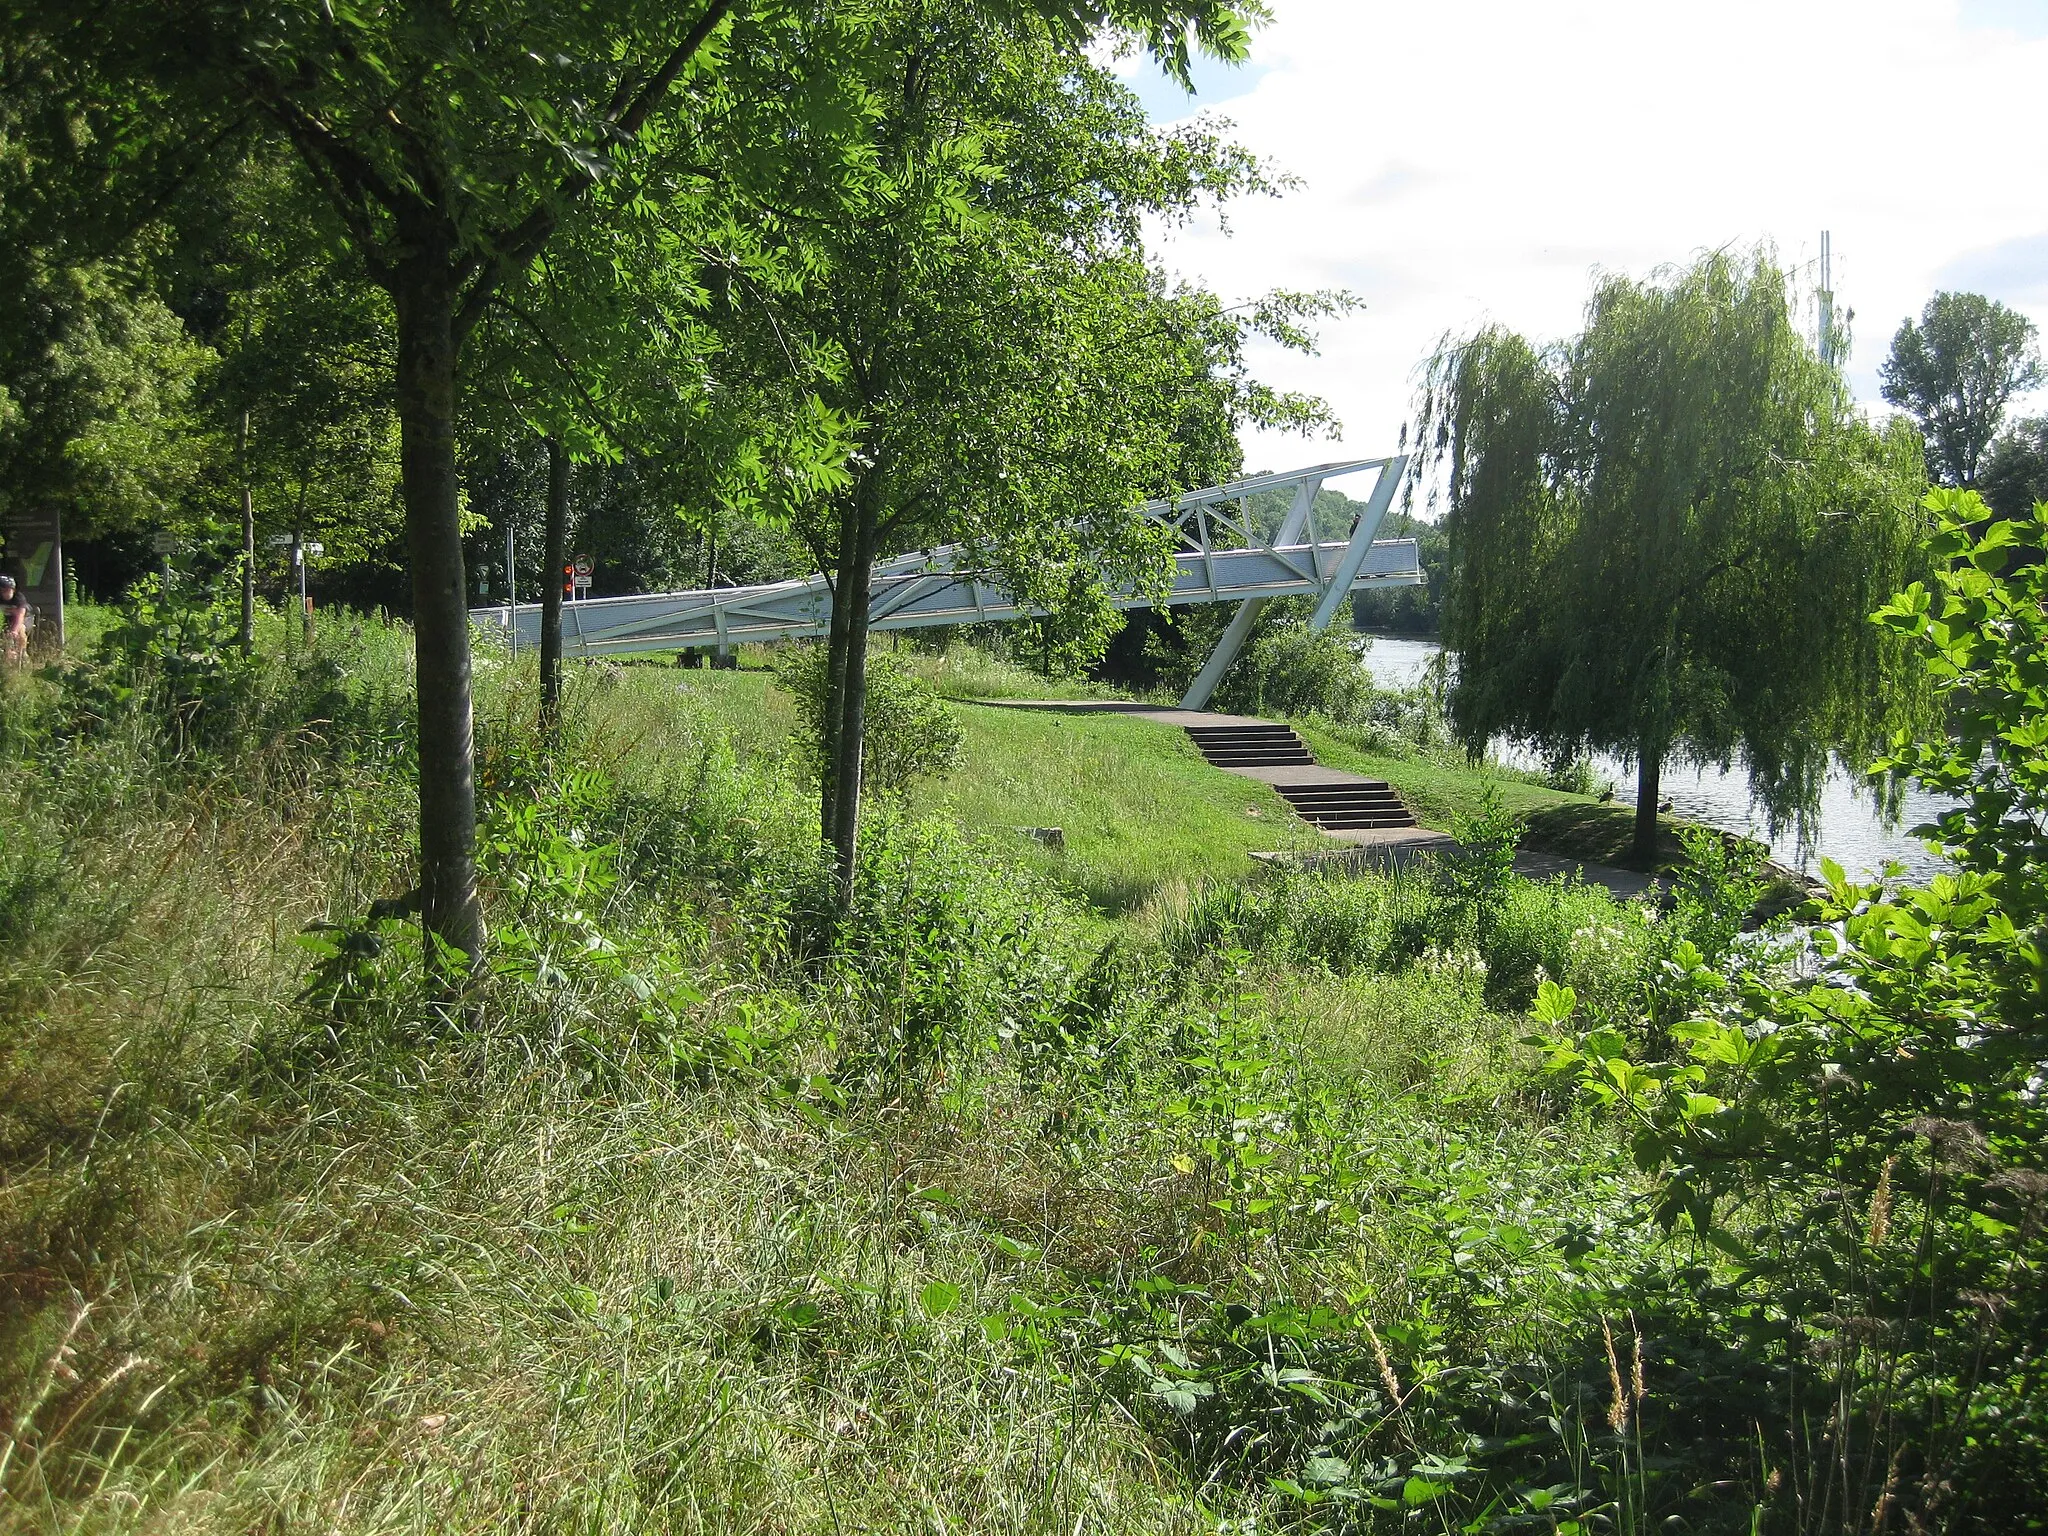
x=1222 y=557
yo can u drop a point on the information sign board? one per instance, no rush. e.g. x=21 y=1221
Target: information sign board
x=34 y=556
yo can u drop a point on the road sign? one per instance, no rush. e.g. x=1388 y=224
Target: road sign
x=165 y=542
x=280 y=540
x=583 y=567
x=316 y=549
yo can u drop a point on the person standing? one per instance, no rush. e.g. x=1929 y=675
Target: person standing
x=13 y=622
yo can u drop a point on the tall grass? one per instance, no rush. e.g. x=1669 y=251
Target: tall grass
x=701 y=1212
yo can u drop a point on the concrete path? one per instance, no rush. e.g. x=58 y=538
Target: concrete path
x=1367 y=847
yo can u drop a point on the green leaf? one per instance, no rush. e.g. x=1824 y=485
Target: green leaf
x=1418 y=1491
x=938 y=1298
x=1325 y=1470
x=1554 y=1004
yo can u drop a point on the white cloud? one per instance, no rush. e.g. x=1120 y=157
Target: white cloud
x=1469 y=160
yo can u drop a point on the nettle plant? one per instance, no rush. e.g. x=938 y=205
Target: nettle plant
x=1866 y=1144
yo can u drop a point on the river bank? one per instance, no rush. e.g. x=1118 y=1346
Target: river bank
x=1850 y=830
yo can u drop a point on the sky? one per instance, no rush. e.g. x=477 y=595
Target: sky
x=1466 y=161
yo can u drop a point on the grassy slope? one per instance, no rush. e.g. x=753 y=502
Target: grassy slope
x=1574 y=826
x=1143 y=816
x=508 y=1272
x=1142 y=813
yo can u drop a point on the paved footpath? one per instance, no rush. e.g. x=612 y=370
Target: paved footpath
x=1374 y=846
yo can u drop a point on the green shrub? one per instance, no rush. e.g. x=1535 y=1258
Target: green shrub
x=1864 y=1136
x=910 y=733
x=168 y=678
x=1520 y=932
x=1293 y=671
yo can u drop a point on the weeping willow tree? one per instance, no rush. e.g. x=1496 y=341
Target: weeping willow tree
x=1667 y=535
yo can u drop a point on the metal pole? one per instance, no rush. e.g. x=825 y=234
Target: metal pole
x=1299 y=516
x=511 y=593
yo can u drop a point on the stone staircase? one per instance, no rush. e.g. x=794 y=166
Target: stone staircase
x=1250 y=746
x=1326 y=799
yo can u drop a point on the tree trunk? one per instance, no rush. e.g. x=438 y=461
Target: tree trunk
x=835 y=677
x=1649 y=777
x=424 y=296
x=248 y=548
x=556 y=540
x=848 y=750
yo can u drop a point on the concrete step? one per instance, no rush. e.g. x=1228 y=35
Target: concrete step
x=1250 y=746
x=1345 y=805
x=1336 y=791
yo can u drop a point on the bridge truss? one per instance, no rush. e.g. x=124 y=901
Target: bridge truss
x=1222 y=557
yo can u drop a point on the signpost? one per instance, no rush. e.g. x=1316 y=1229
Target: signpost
x=581 y=577
x=35 y=557
x=302 y=554
x=166 y=544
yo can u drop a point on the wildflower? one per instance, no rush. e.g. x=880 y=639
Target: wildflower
x=1881 y=1205
x=1379 y=1353
x=1617 y=1409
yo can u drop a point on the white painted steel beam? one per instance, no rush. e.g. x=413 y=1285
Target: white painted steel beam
x=916 y=591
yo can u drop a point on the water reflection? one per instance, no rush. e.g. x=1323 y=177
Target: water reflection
x=1850 y=831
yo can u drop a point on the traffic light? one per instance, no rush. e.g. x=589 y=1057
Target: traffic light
x=569 y=583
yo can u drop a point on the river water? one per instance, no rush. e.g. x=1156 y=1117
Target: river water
x=1850 y=831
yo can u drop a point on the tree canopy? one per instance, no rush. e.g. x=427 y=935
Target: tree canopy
x=975 y=336
x=449 y=144
x=1955 y=372
x=2014 y=475
x=1666 y=535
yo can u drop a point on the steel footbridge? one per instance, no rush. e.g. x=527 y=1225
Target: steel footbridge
x=1222 y=556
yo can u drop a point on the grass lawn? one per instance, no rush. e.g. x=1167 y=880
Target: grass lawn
x=1142 y=815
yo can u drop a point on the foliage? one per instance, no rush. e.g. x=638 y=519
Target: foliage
x=172 y=657
x=2014 y=474
x=1029 y=1217
x=168 y=680
x=1386 y=924
x=302 y=398
x=97 y=375
x=1665 y=534
x=910 y=732
x=1476 y=874
x=101 y=377
x=1291 y=670
x=1402 y=722
x=1865 y=1142
x=978 y=329
x=1954 y=372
